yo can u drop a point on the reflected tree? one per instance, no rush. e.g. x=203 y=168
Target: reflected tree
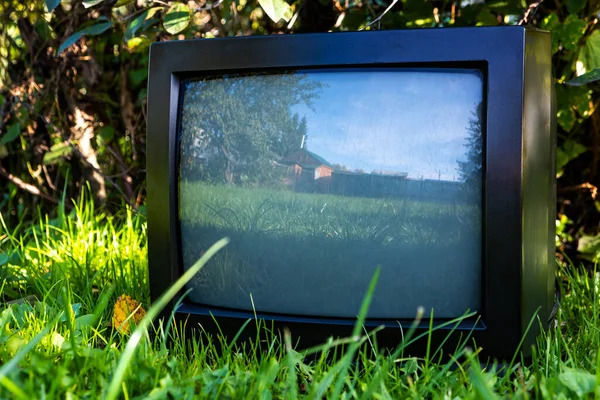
x=340 y=167
x=234 y=130
x=470 y=170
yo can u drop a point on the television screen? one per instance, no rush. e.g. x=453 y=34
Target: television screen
x=319 y=176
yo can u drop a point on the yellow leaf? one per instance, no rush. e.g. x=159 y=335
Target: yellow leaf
x=124 y=307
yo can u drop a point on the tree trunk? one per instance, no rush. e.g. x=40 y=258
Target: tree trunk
x=83 y=133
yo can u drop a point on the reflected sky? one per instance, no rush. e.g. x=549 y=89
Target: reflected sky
x=412 y=121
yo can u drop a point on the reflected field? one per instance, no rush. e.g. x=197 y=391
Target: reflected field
x=314 y=254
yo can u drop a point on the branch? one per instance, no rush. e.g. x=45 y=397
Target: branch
x=531 y=10
x=209 y=6
x=132 y=15
x=82 y=132
x=376 y=20
x=124 y=174
x=98 y=171
x=216 y=16
x=584 y=186
x=26 y=186
x=127 y=112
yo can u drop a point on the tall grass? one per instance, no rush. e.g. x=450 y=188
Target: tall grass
x=56 y=340
x=312 y=253
x=287 y=213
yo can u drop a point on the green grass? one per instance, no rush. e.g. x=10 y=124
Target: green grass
x=287 y=213
x=68 y=272
x=315 y=253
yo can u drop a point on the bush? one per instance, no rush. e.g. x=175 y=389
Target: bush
x=73 y=88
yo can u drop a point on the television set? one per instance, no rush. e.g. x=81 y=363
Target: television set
x=428 y=154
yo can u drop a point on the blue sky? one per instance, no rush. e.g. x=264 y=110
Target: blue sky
x=394 y=120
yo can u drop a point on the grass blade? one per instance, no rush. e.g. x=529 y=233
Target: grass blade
x=115 y=385
x=12 y=364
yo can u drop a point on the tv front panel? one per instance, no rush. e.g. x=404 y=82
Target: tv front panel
x=426 y=153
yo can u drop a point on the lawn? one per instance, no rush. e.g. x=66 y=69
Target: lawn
x=314 y=254
x=61 y=278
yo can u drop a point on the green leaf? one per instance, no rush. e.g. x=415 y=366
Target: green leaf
x=225 y=9
x=103 y=301
x=570 y=32
x=415 y=10
x=486 y=18
x=354 y=19
x=566 y=118
x=578 y=97
x=579 y=381
x=588 y=77
x=138 y=43
x=91 y=3
x=142 y=96
x=15 y=258
x=11 y=134
x=85 y=321
x=277 y=9
x=574 y=6
x=388 y=21
x=569 y=151
x=57 y=151
x=506 y=7
x=96 y=29
x=52 y=4
x=106 y=134
x=42 y=29
x=138 y=76
x=72 y=309
x=589 y=53
x=468 y=14
x=550 y=23
x=410 y=367
x=569 y=100
x=589 y=247
x=483 y=383
x=177 y=18
x=3 y=259
x=142 y=22
x=122 y=3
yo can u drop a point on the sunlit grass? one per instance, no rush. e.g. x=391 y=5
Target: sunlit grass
x=287 y=213
x=56 y=340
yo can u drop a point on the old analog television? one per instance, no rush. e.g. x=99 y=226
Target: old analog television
x=426 y=153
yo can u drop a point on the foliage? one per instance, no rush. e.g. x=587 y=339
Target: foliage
x=471 y=169
x=83 y=248
x=73 y=85
x=55 y=341
x=259 y=126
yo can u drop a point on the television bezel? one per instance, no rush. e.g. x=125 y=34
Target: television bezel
x=518 y=265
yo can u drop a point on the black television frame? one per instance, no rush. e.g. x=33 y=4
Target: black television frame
x=519 y=166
